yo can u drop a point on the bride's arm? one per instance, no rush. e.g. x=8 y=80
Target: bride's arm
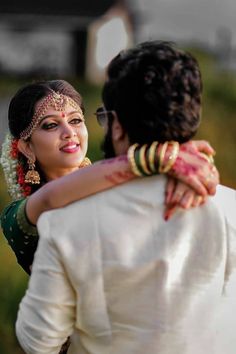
x=190 y=168
x=77 y=185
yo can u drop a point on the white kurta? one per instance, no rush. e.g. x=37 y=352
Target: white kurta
x=113 y=274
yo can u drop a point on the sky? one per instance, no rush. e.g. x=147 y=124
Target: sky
x=186 y=19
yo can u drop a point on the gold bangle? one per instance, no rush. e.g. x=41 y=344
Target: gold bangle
x=162 y=155
x=151 y=156
x=143 y=161
x=131 y=160
x=173 y=156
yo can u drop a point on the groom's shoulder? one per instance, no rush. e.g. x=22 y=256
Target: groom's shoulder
x=149 y=189
x=225 y=199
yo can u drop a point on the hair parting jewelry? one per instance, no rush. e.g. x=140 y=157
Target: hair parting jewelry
x=58 y=101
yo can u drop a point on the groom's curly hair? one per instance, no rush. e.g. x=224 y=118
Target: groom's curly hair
x=156 y=90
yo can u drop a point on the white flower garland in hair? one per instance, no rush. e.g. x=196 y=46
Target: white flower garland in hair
x=9 y=164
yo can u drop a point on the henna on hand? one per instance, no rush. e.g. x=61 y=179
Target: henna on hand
x=179 y=194
x=192 y=168
x=192 y=177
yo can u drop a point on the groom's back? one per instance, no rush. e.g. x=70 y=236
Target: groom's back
x=143 y=285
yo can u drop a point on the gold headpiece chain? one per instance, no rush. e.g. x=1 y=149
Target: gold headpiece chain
x=58 y=101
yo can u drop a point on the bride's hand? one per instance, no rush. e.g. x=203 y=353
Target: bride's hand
x=193 y=167
x=178 y=194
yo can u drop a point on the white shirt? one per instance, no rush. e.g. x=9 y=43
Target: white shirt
x=118 y=279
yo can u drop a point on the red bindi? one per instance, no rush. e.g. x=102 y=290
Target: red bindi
x=63 y=115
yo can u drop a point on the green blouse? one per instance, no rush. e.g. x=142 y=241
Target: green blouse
x=21 y=235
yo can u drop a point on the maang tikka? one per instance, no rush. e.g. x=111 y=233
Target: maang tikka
x=58 y=101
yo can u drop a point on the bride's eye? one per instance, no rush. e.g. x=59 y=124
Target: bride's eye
x=76 y=120
x=48 y=126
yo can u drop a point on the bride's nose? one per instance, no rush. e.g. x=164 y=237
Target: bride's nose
x=68 y=131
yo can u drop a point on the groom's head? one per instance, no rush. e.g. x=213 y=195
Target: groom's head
x=152 y=92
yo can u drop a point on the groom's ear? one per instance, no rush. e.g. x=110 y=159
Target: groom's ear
x=118 y=132
x=120 y=139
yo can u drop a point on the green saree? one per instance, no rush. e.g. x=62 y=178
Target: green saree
x=21 y=235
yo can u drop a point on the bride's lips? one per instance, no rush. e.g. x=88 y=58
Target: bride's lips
x=70 y=147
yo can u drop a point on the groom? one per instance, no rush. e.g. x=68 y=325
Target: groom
x=109 y=271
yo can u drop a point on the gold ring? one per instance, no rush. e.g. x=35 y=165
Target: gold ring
x=198 y=199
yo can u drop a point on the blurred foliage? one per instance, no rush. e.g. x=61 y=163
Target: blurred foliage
x=13 y=282
x=218 y=126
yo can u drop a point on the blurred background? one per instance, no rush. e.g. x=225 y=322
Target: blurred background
x=75 y=40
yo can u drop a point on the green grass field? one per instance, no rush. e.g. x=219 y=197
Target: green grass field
x=218 y=126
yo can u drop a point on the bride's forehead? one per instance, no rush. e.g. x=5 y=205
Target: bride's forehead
x=68 y=110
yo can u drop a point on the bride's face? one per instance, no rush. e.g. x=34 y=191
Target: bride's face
x=60 y=141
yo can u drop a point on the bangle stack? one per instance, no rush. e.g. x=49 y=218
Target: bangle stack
x=146 y=160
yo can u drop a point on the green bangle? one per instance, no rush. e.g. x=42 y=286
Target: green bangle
x=143 y=160
x=152 y=155
x=138 y=162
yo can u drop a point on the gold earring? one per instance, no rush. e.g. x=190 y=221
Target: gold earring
x=85 y=162
x=32 y=176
